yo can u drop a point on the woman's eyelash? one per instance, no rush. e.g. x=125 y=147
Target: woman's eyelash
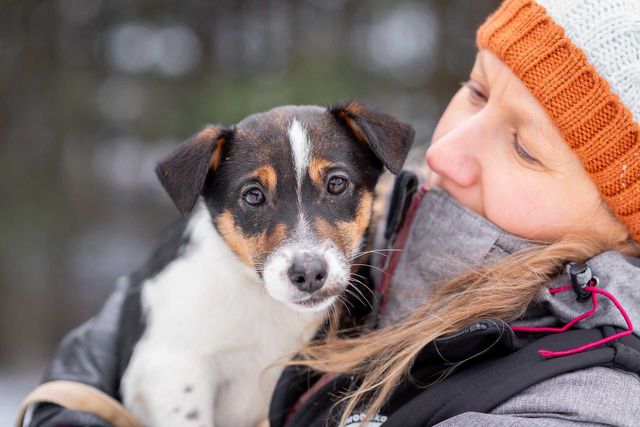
x=524 y=154
x=476 y=93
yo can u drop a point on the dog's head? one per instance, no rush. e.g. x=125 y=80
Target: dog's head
x=290 y=191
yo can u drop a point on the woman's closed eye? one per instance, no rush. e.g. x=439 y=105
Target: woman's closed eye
x=477 y=94
x=522 y=152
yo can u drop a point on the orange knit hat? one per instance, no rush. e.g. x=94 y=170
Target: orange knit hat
x=581 y=60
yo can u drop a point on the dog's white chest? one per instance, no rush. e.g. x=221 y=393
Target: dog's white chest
x=211 y=333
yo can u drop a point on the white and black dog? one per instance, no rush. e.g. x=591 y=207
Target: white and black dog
x=278 y=208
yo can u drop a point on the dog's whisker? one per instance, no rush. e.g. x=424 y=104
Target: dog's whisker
x=335 y=316
x=355 y=288
x=353 y=280
x=379 y=250
x=356 y=297
x=360 y=291
x=343 y=301
x=374 y=251
x=364 y=285
x=353 y=294
x=373 y=294
x=331 y=315
x=362 y=300
x=359 y=275
x=346 y=300
x=369 y=265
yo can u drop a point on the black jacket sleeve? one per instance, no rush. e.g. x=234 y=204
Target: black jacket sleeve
x=95 y=353
x=98 y=352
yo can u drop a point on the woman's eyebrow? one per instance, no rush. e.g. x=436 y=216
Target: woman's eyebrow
x=537 y=124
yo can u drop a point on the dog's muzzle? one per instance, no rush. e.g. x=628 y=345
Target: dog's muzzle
x=304 y=277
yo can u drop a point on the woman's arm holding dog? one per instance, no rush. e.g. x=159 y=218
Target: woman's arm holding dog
x=97 y=352
x=94 y=354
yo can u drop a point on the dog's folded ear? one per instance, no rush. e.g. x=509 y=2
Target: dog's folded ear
x=183 y=173
x=389 y=138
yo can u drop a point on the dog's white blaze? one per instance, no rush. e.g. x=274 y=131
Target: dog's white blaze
x=303 y=229
x=210 y=321
x=300 y=148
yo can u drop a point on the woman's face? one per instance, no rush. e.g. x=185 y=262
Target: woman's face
x=497 y=152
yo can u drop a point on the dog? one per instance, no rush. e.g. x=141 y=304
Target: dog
x=276 y=208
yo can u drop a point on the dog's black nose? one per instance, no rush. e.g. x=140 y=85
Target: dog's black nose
x=308 y=274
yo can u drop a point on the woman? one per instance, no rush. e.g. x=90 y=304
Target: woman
x=535 y=163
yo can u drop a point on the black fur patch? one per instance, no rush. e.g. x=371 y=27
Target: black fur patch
x=183 y=173
x=388 y=137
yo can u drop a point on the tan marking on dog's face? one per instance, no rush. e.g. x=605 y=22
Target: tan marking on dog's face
x=236 y=240
x=325 y=231
x=317 y=169
x=268 y=242
x=250 y=249
x=353 y=230
x=346 y=234
x=267 y=176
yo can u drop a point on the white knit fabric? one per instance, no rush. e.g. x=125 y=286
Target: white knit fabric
x=608 y=32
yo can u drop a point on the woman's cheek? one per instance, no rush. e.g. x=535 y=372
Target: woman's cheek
x=518 y=209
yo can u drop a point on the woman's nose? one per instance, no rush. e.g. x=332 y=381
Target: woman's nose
x=454 y=157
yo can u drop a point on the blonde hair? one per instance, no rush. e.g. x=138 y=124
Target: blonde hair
x=382 y=358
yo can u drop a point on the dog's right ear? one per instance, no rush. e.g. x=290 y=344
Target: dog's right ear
x=183 y=172
x=389 y=138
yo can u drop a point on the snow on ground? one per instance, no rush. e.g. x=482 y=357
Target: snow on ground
x=14 y=386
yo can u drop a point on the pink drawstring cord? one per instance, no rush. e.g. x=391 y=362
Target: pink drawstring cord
x=568 y=325
x=594 y=290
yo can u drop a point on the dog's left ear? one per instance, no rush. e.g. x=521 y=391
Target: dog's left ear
x=183 y=172
x=389 y=138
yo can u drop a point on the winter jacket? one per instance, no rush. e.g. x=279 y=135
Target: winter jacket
x=97 y=352
x=441 y=238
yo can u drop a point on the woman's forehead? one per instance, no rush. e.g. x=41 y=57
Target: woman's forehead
x=484 y=59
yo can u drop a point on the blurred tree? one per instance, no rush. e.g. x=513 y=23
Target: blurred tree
x=94 y=92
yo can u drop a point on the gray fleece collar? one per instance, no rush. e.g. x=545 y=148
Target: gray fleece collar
x=446 y=237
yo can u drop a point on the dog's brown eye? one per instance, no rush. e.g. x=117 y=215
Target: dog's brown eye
x=337 y=184
x=254 y=196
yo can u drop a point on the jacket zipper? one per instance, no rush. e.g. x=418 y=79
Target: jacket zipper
x=475 y=327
